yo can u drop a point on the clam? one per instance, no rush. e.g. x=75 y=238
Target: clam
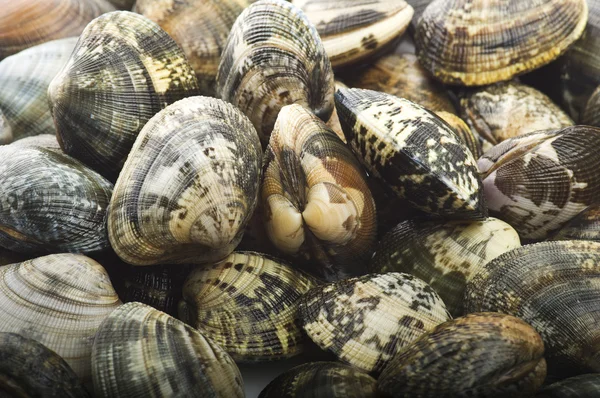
x=321 y=380
x=248 y=304
x=591 y=111
x=124 y=69
x=584 y=226
x=413 y=151
x=468 y=136
x=364 y=321
x=540 y=181
x=555 y=287
x=582 y=386
x=189 y=186
x=445 y=255
x=27 y=23
x=200 y=27
x=123 y=4
x=142 y=352
x=60 y=301
x=353 y=30
x=479 y=355
x=30 y=369
x=316 y=199
x=477 y=42
x=50 y=202
x=24 y=78
x=274 y=57
x=6 y=134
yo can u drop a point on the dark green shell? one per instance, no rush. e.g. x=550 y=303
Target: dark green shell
x=582 y=386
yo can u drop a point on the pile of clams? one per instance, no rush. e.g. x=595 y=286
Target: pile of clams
x=349 y=199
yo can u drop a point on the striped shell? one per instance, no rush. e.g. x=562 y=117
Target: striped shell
x=321 y=380
x=364 y=321
x=555 y=287
x=467 y=135
x=538 y=182
x=142 y=352
x=413 y=151
x=247 y=304
x=477 y=42
x=582 y=386
x=60 y=301
x=124 y=69
x=584 y=226
x=354 y=30
x=446 y=256
x=316 y=199
x=479 y=355
x=274 y=57
x=50 y=202
x=189 y=186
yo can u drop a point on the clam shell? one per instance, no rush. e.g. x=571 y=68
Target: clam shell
x=24 y=78
x=317 y=203
x=30 y=369
x=6 y=134
x=479 y=355
x=123 y=4
x=477 y=42
x=248 y=304
x=468 y=136
x=124 y=69
x=274 y=57
x=9 y=257
x=189 y=186
x=413 y=151
x=582 y=386
x=541 y=181
x=60 y=301
x=555 y=287
x=321 y=380
x=592 y=109
x=142 y=352
x=445 y=255
x=50 y=202
x=584 y=226
x=364 y=321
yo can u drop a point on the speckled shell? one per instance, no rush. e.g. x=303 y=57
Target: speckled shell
x=317 y=204
x=124 y=69
x=477 y=42
x=200 y=27
x=445 y=255
x=50 y=202
x=509 y=109
x=584 y=226
x=6 y=133
x=189 y=186
x=538 y=182
x=274 y=57
x=321 y=380
x=479 y=355
x=142 y=352
x=555 y=287
x=60 y=301
x=469 y=137
x=30 y=369
x=591 y=112
x=247 y=304
x=364 y=321
x=353 y=30
x=24 y=78
x=413 y=151
x=27 y=23
x=582 y=386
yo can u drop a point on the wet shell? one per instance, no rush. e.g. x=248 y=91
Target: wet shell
x=189 y=186
x=27 y=23
x=555 y=287
x=200 y=27
x=584 y=226
x=446 y=256
x=24 y=78
x=274 y=57
x=321 y=380
x=50 y=202
x=316 y=199
x=510 y=109
x=538 y=182
x=479 y=355
x=124 y=69
x=582 y=386
x=60 y=301
x=247 y=304
x=477 y=42
x=6 y=134
x=142 y=352
x=354 y=30
x=413 y=151
x=364 y=321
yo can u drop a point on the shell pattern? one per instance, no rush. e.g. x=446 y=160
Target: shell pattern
x=584 y=226
x=6 y=134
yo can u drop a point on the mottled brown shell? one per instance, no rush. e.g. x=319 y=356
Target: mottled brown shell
x=584 y=226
